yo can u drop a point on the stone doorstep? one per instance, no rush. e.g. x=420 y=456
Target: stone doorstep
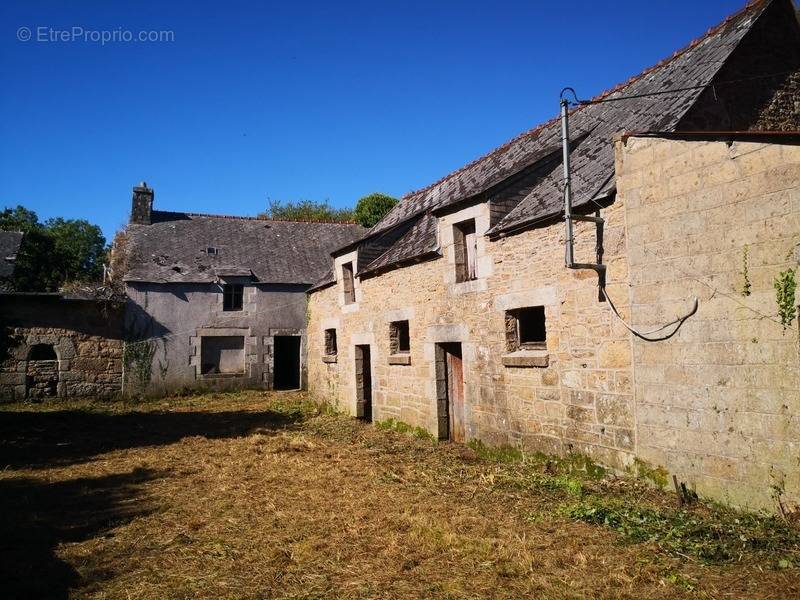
x=329 y=358
x=527 y=359
x=399 y=359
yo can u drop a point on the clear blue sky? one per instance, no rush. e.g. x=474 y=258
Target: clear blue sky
x=296 y=100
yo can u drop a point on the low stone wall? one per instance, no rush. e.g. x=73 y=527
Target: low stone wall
x=87 y=347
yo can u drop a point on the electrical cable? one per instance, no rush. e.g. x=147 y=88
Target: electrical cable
x=579 y=102
x=681 y=320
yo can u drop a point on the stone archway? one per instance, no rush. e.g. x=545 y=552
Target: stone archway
x=41 y=372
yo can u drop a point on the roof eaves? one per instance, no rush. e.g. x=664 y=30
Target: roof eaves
x=425 y=256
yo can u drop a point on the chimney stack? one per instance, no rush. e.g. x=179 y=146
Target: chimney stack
x=142 y=205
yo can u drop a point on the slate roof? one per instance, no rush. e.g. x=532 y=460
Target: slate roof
x=592 y=153
x=175 y=248
x=10 y=242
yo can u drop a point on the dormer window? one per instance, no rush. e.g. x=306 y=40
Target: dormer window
x=348 y=283
x=465 y=250
x=232 y=296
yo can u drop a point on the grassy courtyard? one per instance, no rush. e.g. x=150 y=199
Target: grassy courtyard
x=256 y=495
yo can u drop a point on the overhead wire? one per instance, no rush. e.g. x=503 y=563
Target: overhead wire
x=681 y=320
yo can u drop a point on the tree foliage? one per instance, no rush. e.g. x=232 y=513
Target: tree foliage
x=307 y=210
x=373 y=207
x=55 y=252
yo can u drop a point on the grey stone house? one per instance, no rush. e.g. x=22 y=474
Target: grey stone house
x=219 y=301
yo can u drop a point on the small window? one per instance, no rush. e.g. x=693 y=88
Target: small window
x=212 y=250
x=42 y=352
x=232 y=296
x=465 y=249
x=348 y=282
x=525 y=329
x=222 y=354
x=330 y=342
x=399 y=339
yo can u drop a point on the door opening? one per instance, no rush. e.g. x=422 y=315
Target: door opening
x=450 y=392
x=286 y=374
x=363 y=383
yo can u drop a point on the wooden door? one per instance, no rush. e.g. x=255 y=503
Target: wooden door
x=455 y=393
x=363 y=383
x=450 y=392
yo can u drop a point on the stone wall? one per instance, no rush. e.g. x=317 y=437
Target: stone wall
x=84 y=335
x=581 y=400
x=720 y=403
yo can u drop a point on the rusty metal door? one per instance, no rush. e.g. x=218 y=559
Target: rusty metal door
x=363 y=383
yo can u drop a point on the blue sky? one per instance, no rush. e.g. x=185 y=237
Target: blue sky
x=295 y=100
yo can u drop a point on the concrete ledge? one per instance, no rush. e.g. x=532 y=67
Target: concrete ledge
x=223 y=375
x=399 y=359
x=527 y=358
x=329 y=358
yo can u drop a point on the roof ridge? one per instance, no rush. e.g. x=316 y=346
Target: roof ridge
x=255 y=218
x=751 y=5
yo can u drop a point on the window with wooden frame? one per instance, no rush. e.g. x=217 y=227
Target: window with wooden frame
x=465 y=249
x=331 y=348
x=399 y=338
x=525 y=329
x=232 y=296
x=349 y=283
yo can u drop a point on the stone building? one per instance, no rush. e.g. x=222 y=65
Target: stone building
x=55 y=345
x=218 y=301
x=455 y=312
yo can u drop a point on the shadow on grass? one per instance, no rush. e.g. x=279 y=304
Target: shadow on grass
x=35 y=517
x=33 y=439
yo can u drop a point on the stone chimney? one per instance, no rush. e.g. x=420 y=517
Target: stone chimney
x=142 y=205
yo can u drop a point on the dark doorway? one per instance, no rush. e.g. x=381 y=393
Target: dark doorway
x=41 y=372
x=450 y=392
x=363 y=383
x=286 y=375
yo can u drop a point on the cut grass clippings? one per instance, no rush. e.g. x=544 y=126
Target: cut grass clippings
x=256 y=495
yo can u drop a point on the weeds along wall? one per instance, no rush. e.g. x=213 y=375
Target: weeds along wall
x=717 y=405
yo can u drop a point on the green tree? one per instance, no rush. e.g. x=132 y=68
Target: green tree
x=55 y=252
x=307 y=210
x=34 y=268
x=80 y=248
x=373 y=207
x=19 y=219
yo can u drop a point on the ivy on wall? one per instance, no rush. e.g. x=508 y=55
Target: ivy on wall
x=785 y=287
x=138 y=359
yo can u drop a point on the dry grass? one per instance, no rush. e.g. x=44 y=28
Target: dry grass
x=258 y=495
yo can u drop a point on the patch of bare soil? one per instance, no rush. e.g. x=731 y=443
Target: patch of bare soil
x=256 y=495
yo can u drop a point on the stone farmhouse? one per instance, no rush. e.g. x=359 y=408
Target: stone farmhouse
x=217 y=301
x=456 y=313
